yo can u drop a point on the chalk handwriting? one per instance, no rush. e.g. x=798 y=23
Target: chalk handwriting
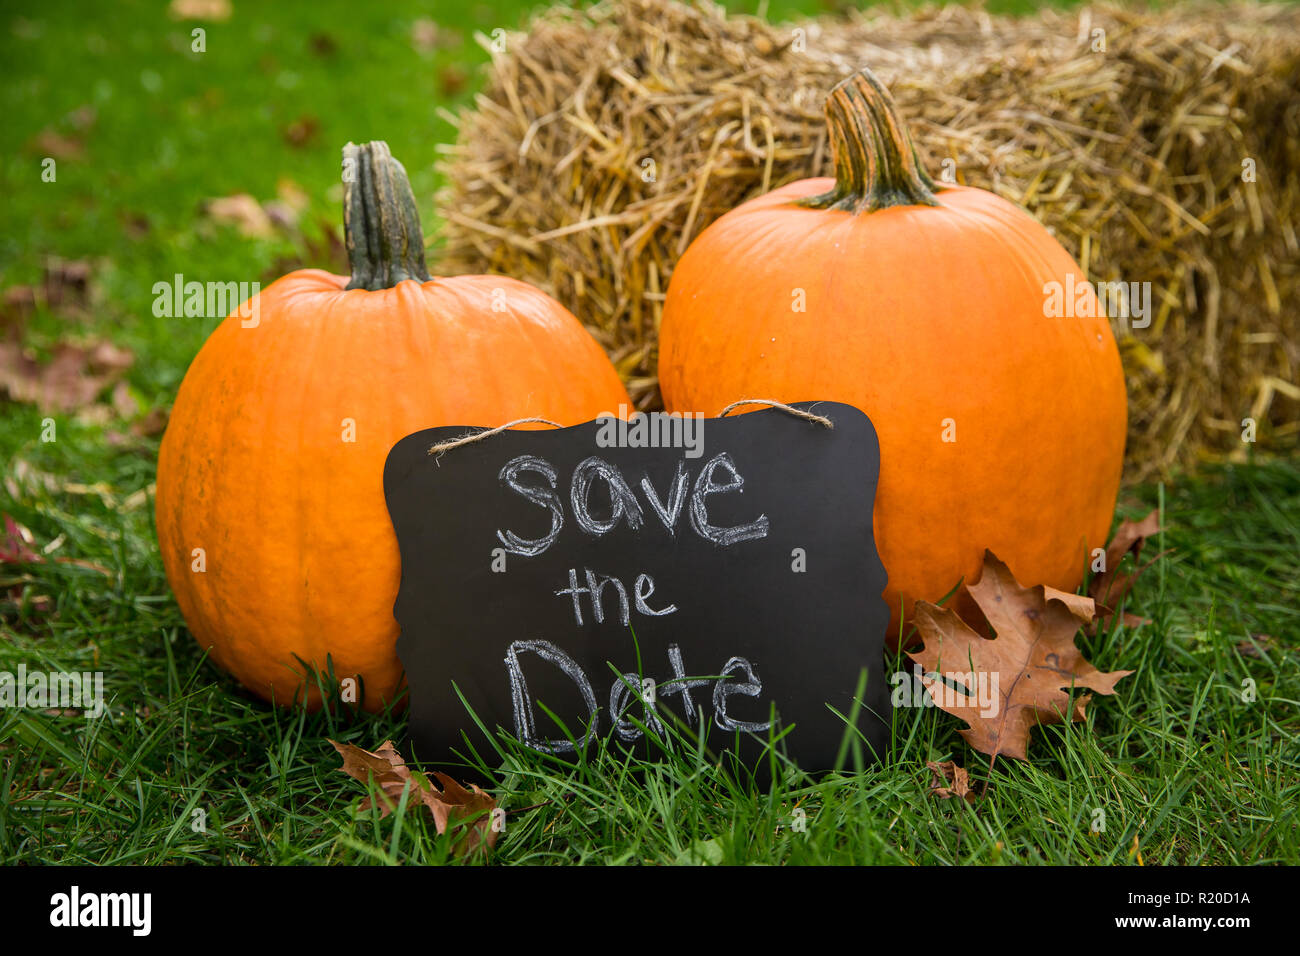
x=623 y=504
x=523 y=701
x=676 y=498
x=596 y=584
x=705 y=486
x=624 y=507
x=625 y=689
x=752 y=687
x=547 y=499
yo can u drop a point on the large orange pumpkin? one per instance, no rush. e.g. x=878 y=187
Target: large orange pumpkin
x=925 y=306
x=270 y=503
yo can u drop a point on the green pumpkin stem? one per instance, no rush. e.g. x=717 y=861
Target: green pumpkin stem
x=875 y=162
x=381 y=225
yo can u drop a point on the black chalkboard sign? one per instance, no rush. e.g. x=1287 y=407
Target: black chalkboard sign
x=724 y=567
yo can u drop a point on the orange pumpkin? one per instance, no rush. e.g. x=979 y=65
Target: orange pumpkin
x=926 y=306
x=270 y=502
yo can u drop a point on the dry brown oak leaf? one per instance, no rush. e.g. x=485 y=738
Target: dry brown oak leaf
x=1111 y=586
x=71 y=380
x=452 y=806
x=950 y=780
x=1033 y=655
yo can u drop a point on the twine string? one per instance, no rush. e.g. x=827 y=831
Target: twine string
x=470 y=437
x=788 y=409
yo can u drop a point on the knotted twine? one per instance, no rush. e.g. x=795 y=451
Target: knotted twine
x=470 y=437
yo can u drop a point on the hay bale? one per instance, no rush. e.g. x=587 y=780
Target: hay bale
x=606 y=140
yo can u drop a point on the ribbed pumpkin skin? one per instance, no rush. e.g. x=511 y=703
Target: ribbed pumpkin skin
x=300 y=551
x=917 y=314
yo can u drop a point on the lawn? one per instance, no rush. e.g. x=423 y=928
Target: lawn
x=187 y=767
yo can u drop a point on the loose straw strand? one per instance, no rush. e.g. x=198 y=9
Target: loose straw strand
x=788 y=409
x=470 y=437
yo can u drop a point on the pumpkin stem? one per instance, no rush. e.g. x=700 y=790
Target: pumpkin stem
x=875 y=162
x=381 y=225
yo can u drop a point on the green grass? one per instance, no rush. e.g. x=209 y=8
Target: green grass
x=173 y=128
x=1175 y=760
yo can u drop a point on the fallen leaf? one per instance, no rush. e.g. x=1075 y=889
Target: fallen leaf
x=326 y=251
x=1109 y=588
x=302 y=132
x=950 y=781
x=66 y=279
x=1257 y=645
x=51 y=143
x=70 y=381
x=292 y=200
x=134 y=224
x=242 y=211
x=214 y=10
x=1033 y=659
x=424 y=35
x=453 y=807
x=452 y=80
x=153 y=423
x=96 y=414
x=69 y=286
x=292 y=194
x=281 y=215
x=123 y=401
x=17 y=306
x=322 y=44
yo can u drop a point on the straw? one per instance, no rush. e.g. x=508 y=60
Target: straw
x=607 y=139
